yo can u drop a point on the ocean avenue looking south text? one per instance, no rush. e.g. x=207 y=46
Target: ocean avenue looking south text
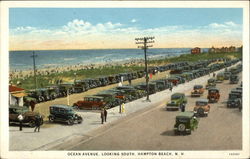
x=126 y=82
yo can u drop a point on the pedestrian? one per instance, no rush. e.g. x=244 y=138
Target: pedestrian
x=20 y=118
x=171 y=87
x=129 y=81
x=32 y=105
x=38 y=123
x=213 y=74
x=105 y=115
x=182 y=107
x=102 y=115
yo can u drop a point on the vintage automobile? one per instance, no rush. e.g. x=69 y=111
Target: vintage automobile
x=152 y=87
x=234 y=100
x=110 y=98
x=64 y=113
x=201 y=108
x=227 y=75
x=104 y=81
x=80 y=86
x=176 y=100
x=220 y=77
x=234 y=79
x=175 y=81
x=134 y=93
x=210 y=83
x=237 y=91
x=112 y=79
x=185 y=123
x=197 y=91
x=90 y=102
x=36 y=94
x=29 y=116
x=213 y=95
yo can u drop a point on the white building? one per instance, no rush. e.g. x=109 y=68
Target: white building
x=16 y=95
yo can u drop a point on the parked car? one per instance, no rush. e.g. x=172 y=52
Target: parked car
x=201 y=108
x=213 y=95
x=185 y=123
x=176 y=100
x=90 y=102
x=64 y=113
x=234 y=100
x=29 y=116
x=197 y=91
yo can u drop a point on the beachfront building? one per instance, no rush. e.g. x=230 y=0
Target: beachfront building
x=196 y=50
x=222 y=49
x=16 y=95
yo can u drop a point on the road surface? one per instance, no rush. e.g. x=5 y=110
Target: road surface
x=152 y=129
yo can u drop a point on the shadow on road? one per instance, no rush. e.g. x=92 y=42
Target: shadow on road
x=168 y=133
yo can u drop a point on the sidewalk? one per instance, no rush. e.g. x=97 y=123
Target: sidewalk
x=51 y=135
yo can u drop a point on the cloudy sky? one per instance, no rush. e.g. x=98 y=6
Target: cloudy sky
x=100 y=28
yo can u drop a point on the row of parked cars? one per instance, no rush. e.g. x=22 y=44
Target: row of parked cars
x=179 y=70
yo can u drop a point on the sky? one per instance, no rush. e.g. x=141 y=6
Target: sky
x=101 y=28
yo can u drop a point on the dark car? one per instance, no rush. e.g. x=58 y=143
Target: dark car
x=185 y=123
x=29 y=116
x=64 y=113
x=234 y=100
x=234 y=79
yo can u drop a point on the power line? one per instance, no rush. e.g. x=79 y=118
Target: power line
x=34 y=67
x=144 y=41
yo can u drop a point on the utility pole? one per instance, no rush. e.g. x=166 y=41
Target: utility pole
x=145 y=41
x=34 y=67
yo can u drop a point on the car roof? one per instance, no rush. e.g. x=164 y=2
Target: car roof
x=202 y=100
x=61 y=106
x=93 y=97
x=198 y=85
x=213 y=89
x=185 y=115
x=178 y=94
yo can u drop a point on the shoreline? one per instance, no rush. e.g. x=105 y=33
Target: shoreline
x=15 y=74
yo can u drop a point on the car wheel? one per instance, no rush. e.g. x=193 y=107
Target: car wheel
x=32 y=123
x=70 y=122
x=79 y=121
x=181 y=127
x=51 y=119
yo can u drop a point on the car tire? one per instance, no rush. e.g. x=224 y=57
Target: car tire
x=181 y=127
x=79 y=120
x=51 y=119
x=70 y=122
x=32 y=123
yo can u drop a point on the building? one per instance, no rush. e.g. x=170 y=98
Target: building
x=196 y=50
x=222 y=49
x=16 y=95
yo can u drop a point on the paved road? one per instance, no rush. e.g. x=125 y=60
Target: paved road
x=153 y=130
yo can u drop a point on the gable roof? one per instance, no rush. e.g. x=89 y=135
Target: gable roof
x=15 y=89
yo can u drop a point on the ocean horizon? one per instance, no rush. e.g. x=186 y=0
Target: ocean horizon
x=22 y=60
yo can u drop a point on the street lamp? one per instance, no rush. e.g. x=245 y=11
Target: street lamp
x=144 y=41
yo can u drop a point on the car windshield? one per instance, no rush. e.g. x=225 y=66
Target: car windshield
x=197 y=87
x=201 y=103
x=182 y=120
x=213 y=91
x=70 y=111
x=175 y=97
x=233 y=96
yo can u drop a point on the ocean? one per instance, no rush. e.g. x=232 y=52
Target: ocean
x=22 y=60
